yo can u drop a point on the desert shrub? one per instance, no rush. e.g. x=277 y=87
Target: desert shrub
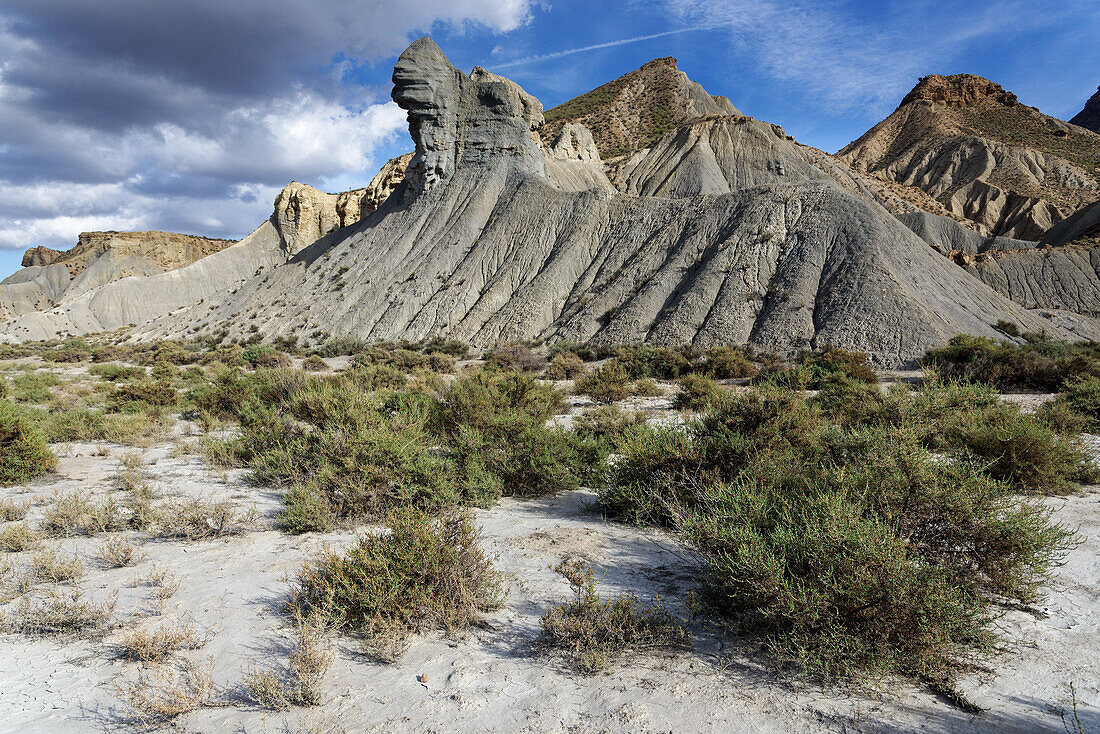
x=340 y=446
x=850 y=402
x=646 y=388
x=1007 y=327
x=607 y=384
x=376 y=377
x=1080 y=397
x=441 y=362
x=425 y=573
x=586 y=352
x=608 y=423
x=116 y=372
x=164 y=372
x=592 y=632
x=565 y=366
x=851 y=551
x=646 y=360
x=1017 y=448
x=729 y=362
x=24 y=454
x=341 y=346
x=697 y=393
x=17 y=537
x=515 y=356
x=453 y=347
x=87 y=424
x=223 y=396
x=313 y=363
x=263 y=355
x=495 y=423
x=1039 y=366
x=811 y=370
x=475 y=399
x=135 y=397
x=33 y=387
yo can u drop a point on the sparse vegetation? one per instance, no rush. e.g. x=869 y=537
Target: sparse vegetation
x=298 y=683
x=592 y=633
x=162 y=692
x=57 y=612
x=50 y=566
x=158 y=644
x=1038 y=366
x=117 y=553
x=17 y=537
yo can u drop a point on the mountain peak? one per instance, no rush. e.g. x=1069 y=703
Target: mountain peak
x=958 y=90
x=633 y=111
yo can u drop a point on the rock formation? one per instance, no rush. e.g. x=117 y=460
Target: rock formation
x=484 y=242
x=506 y=226
x=1089 y=117
x=1003 y=166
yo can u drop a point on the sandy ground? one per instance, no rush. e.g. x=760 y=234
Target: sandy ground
x=493 y=680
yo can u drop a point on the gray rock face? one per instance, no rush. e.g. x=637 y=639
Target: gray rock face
x=482 y=243
x=948 y=236
x=1081 y=225
x=1066 y=278
x=1089 y=117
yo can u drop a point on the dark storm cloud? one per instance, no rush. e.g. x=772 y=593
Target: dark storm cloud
x=174 y=112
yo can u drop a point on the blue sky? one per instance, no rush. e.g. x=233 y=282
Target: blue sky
x=190 y=115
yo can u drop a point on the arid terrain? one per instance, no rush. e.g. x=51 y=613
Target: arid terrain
x=223 y=580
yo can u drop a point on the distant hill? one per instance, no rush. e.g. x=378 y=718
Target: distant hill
x=1090 y=116
x=1004 y=167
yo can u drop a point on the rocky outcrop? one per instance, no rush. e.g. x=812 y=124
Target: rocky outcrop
x=1089 y=117
x=1066 y=278
x=1002 y=166
x=482 y=243
x=41 y=256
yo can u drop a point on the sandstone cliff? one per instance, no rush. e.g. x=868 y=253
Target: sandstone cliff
x=1003 y=166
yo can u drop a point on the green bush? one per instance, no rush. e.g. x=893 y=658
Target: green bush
x=729 y=362
x=134 y=397
x=607 y=384
x=565 y=366
x=425 y=573
x=812 y=369
x=849 y=550
x=313 y=363
x=33 y=387
x=1081 y=397
x=697 y=393
x=1040 y=366
x=646 y=360
x=24 y=454
x=116 y=372
x=262 y=355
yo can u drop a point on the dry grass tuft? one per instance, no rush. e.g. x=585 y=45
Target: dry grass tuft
x=57 y=613
x=76 y=514
x=165 y=584
x=117 y=553
x=11 y=510
x=16 y=538
x=154 y=646
x=161 y=692
x=592 y=632
x=298 y=683
x=194 y=519
x=50 y=566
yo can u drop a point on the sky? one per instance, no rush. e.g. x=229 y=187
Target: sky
x=191 y=115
